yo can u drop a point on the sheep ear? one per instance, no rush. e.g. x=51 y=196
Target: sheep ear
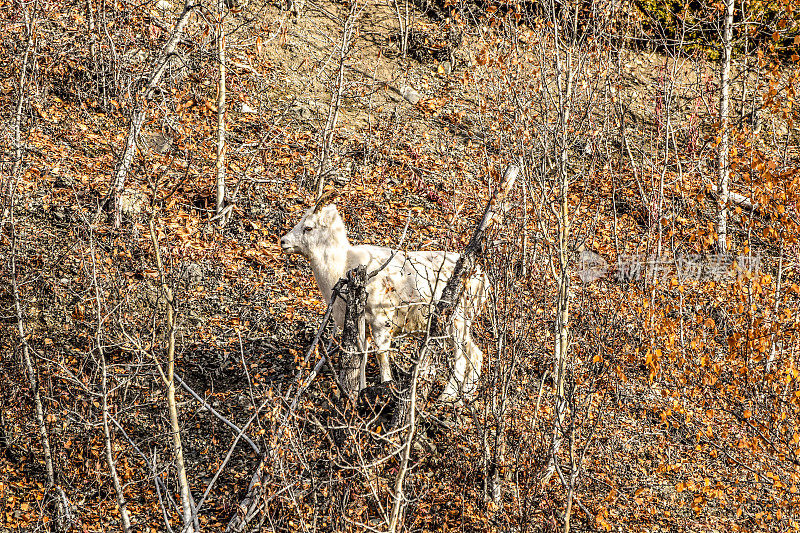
x=329 y=214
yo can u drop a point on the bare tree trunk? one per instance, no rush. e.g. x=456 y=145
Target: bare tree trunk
x=403 y=22
x=137 y=115
x=9 y=184
x=497 y=457
x=724 y=144
x=565 y=74
x=449 y=298
x=62 y=505
x=121 y=502
x=336 y=97
x=351 y=373
x=773 y=344
x=352 y=348
x=571 y=483
x=107 y=434
x=29 y=45
x=220 y=204
x=187 y=502
x=561 y=345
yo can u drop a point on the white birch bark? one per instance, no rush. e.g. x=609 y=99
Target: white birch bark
x=220 y=203
x=187 y=502
x=724 y=143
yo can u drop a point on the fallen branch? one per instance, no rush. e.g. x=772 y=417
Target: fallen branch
x=455 y=285
x=137 y=117
x=412 y=392
x=735 y=198
x=234 y=427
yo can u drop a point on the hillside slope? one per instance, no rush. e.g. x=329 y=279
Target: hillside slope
x=677 y=406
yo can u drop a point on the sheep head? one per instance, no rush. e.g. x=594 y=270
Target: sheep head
x=320 y=229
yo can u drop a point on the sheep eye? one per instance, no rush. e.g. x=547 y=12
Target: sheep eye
x=307 y=229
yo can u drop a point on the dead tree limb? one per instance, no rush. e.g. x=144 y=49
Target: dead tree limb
x=190 y=521
x=63 y=517
x=724 y=145
x=413 y=391
x=139 y=108
x=122 y=504
x=239 y=432
x=355 y=297
x=399 y=496
x=455 y=285
x=352 y=290
x=220 y=203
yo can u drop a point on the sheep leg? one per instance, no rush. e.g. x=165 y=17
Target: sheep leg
x=362 y=376
x=386 y=366
x=467 y=360
x=475 y=357
x=362 y=346
x=383 y=343
x=452 y=390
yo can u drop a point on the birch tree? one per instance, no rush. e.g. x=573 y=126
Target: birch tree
x=167 y=373
x=724 y=118
x=220 y=166
x=349 y=31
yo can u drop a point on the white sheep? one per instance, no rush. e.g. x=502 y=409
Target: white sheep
x=399 y=297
